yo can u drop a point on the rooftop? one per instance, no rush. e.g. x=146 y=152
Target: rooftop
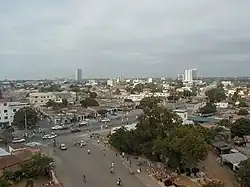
x=234 y=158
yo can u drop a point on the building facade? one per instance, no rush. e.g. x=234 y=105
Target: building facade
x=8 y=110
x=41 y=98
x=190 y=75
x=79 y=75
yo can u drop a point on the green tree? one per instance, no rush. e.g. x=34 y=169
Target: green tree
x=38 y=165
x=149 y=102
x=225 y=123
x=89 y=102
x=102 y=112
x=187 y=144
x=74 y=88
x=93 y=95
x=216 y=94
x=242 y=112
x=209 y=108
x=31 y=118
x=243 y=104
x=138 y=88
x=244 y=173
x=241 y=127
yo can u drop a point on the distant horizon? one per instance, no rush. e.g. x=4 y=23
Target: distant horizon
x=124 y=38
x=105 y=78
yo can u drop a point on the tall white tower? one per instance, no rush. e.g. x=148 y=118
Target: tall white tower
x=78 y=75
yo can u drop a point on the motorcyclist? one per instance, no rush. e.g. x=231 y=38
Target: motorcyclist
x=84 y=178
x=119 y=181
x=89 y=151
x=111 y=170
x=112 y=164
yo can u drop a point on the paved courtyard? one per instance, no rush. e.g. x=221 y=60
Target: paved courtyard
x=74 y=162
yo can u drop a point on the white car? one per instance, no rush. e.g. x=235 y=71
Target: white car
x=105 y=120
x=63 y=147
x=49 y=136
x=18 y=140
x=57 y=127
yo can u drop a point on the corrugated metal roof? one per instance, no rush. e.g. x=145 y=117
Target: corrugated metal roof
x=3 y=152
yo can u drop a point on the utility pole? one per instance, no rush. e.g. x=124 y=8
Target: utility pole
x=25 y=123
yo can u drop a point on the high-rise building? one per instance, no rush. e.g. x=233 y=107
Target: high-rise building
x=150 y=80
x=194 y=74
x=78 y=75
x=190 y=75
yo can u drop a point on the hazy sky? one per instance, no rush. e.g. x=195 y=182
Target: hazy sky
x=107 y=38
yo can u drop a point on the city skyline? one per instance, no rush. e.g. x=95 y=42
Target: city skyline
x=48 y=39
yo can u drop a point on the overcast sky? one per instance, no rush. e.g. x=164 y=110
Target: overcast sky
x=131 y=38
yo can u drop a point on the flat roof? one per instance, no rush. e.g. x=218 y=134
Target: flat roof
x=234 y=158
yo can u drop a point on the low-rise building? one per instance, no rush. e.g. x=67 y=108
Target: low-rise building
x=41 y=98
x=8 y=110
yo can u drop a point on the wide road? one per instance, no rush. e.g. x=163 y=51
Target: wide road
x=74 y=162
x=123 y=119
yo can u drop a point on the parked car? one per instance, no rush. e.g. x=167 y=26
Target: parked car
x=50 y=136
x=73 y=130
x=18 y=140
x=63 y=147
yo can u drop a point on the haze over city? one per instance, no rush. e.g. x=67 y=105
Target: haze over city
x=48 y=39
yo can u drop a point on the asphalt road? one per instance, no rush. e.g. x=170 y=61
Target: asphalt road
x=74 y=162
x=130 y=117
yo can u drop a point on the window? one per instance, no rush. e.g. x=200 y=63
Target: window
x=5 y=117
x=14 y=110
x=36 y=96
x=5 y=111
x=41 y=101
x=5 y=104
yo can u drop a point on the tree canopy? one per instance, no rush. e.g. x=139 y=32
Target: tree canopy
x=209 y=108
x=160 y=135
x=216 y=94
x=37 y=165
x=51 y=88
x=241 y=127
x=225 y=123
x=244 y=173
x=89 y=102
x=102 y=112
x=243 y=104
x=242 y=112
x=149 y=102
x=31 y=117
x=93 y=95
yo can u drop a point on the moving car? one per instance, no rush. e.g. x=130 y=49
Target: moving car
x=83 y=124
x=49 y=136
x=57 y=127
x=63 y=147
x=18 y=140
x=105 y=120
x=73 y=129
